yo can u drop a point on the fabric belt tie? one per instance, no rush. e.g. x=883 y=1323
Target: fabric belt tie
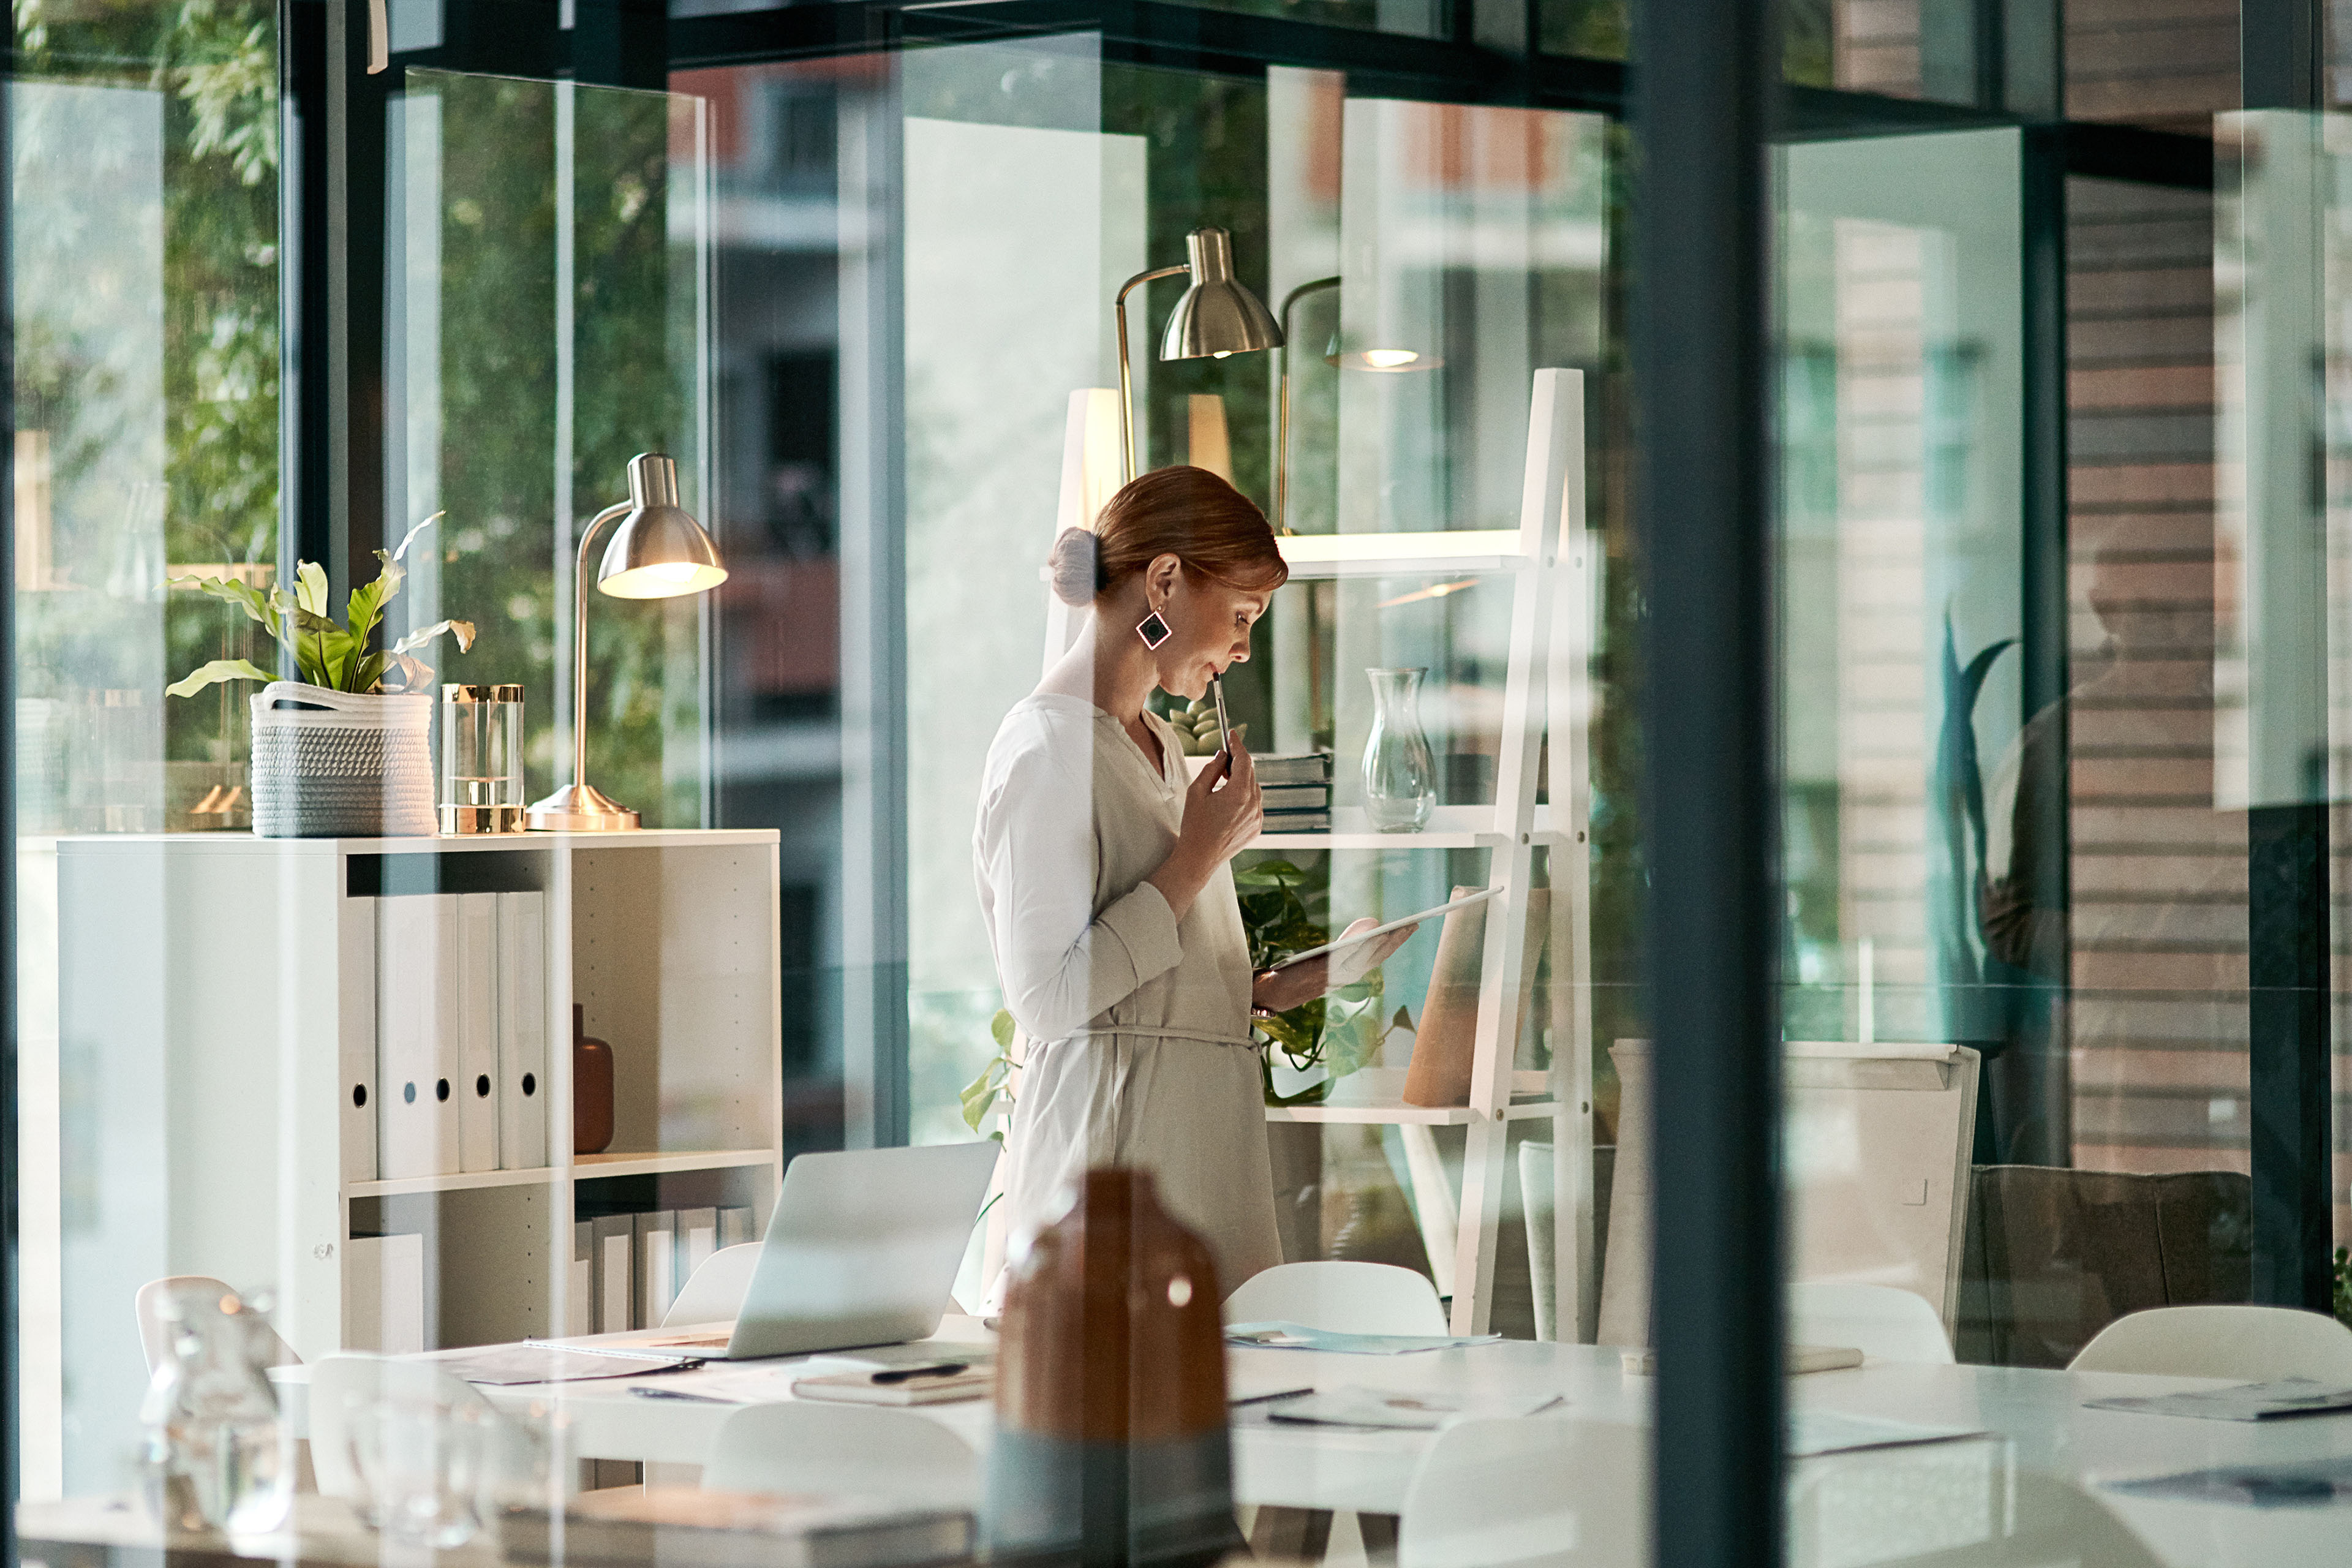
x=1195 y=1036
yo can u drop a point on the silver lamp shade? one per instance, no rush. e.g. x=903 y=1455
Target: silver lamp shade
x=1217 y=316
x=658 y=551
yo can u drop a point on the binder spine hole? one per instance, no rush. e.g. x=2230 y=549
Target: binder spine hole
x=359 y=1095
x=482 y=1086
x=408 y=1094
x=441 y=1088
x=531 y=1083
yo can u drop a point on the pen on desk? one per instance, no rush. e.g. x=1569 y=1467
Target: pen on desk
x=1266 y=1398
x=642 y=1392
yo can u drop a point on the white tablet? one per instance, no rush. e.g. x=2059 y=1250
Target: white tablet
x=1464 y=903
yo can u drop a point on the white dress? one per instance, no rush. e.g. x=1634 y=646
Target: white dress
x=1137 y=1023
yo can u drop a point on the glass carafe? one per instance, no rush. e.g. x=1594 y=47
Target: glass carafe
x=216 y=1458
x=1400 y=779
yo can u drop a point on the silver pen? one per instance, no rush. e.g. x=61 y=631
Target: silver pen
x=1217 y=689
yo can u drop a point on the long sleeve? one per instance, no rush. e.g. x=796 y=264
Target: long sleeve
x=1061 y=963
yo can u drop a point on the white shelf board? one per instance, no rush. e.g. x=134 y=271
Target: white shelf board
x=1449 y=827
x=592 y=1167
x=1473 y=551
x=1403 y=1115
x=584 y=1167
x=437 y=843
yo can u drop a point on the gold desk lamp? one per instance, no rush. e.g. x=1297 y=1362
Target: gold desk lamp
x=1216 y=317
x=659 y=552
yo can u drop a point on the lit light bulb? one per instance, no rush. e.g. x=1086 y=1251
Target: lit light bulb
x=1223 y=353
x=675 y=571
x=1390 y=358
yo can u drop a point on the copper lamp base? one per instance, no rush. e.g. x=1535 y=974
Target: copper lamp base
x=580 y=808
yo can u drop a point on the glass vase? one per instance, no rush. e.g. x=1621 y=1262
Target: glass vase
x=1400 y=779
x=216 y=1458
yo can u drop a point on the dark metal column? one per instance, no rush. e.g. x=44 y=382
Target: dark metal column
x=1703 y=100
x=2286 y=850
x=621 y=43
x=11 y=1462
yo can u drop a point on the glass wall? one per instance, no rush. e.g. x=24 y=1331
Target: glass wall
x=2055 y=609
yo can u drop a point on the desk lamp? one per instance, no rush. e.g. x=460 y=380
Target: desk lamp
x=657 y=552
x=1216 y=317
x=1386 y=360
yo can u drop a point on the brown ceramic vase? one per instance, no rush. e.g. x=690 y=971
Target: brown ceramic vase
x=591 y=1088
x=1111 y=1445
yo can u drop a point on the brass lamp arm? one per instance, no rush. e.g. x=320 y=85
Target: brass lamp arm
x=1126 y=386
x=1282 y=403
x=579 y=642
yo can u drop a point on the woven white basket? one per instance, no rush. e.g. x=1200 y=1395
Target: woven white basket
x=337 y=764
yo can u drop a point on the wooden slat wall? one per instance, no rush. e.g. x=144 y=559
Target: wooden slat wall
x=2158 y=1022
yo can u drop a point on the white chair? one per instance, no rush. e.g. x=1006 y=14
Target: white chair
x=154 y=1335
x=803 y=1445
x=1343 y=1298
x=2249 y=1344
x=1537 y=1492
x=714 y=1293
x=343 y=1386
x=1880 y=1321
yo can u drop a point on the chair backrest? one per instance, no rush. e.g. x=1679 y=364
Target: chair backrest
x=154 y=1335
x=343 y=1386
x=2252 y=1344
x=714 y=1293
x=803 y=1446
x=1881 y=1321
x=1879 y=1137
x=1340 y=1297
x=1529 y=1493
x=2055 y=1254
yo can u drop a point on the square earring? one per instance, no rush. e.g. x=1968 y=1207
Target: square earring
x=1153 y=630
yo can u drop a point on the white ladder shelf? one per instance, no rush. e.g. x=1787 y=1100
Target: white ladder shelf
x=1546 y=690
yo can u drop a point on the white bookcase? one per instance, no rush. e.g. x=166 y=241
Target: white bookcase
x=1548 y=562
x=210 y=985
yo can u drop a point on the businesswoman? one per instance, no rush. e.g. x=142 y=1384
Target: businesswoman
x=1104 y=878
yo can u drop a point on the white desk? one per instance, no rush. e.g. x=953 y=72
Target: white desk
x=2041 y=1413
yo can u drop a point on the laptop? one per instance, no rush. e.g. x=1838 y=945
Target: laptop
x=862 y=1251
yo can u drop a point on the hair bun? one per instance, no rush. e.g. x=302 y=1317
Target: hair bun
x=1077 y=566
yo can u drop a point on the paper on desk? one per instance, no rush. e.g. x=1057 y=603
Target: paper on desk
x=2240 y=1401
x=2298 y=1484
x=542 y=1364
x=1408 y=1411
x=1288 y=1336
x=1813 y=1431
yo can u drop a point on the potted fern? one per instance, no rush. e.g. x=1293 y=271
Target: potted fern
x=346 y=752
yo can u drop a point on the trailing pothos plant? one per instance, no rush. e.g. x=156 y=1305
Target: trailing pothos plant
x=328 y=654
x=980 y=1095
x=1340 y=1031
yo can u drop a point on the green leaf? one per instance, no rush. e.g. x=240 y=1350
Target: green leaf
x=215 y=672
x=311 y=587
x=257 y=605
x=980 y=1095
x=1000 y=1029
x=363 y=611
x=412 y=532
x=463 y=630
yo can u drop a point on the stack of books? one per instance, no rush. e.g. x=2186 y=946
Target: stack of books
x=1296 y=791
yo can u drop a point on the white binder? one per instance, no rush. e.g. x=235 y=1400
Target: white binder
x=579 y=1295
x=657 y=1266
x=616 y=1286
x=523 y=1092
x=477 y=1031
x=355 y=1038
x=697 y=1238
x=416 y=1035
